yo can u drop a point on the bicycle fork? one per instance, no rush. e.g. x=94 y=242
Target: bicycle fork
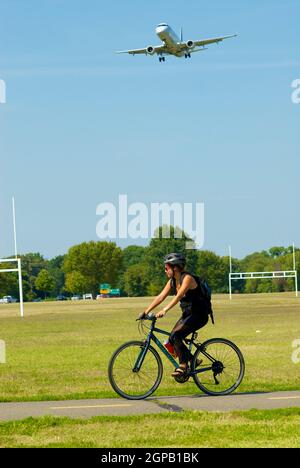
x=141 y=356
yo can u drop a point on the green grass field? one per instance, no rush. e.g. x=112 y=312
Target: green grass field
x=273 y=428
x=61 y=350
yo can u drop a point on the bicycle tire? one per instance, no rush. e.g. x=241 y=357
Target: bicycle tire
x=206 y=381
x=152 y=363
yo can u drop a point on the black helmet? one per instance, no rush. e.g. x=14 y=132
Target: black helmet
x=175 y=259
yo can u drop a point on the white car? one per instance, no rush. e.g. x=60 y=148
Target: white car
x=75 y=298
x=87 y=297
x=9 y=300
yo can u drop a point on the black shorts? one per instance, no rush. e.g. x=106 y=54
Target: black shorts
x=195 y=320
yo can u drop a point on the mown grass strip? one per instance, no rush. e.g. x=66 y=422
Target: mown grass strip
x=254 y=428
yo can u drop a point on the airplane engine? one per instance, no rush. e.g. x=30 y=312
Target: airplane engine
x=150 y=50
x=190 y=44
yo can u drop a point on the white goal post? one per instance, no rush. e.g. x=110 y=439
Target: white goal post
x=18 y=270
x=263 y=274
x=16 y=260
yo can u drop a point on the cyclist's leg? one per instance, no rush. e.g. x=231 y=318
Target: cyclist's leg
x=183 y=328
x=176 y=338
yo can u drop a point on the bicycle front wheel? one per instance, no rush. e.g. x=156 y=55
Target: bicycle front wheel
x=130 y=382
x=224 y=364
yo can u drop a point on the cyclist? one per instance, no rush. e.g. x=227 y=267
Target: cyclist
x=195 y=309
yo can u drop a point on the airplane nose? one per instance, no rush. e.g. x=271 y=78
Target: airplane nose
x=161 y=29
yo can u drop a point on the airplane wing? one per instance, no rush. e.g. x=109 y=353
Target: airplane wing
x=161 y=49
x=212 y=41
x=183 y=45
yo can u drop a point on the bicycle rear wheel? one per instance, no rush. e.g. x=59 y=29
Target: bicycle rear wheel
x=225 y=367
x=126 y=380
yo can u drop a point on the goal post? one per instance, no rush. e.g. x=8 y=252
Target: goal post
x=15 y=262
x=262 y=274
x=18 y=270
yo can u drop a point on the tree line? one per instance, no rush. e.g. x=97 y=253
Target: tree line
x=139 y=271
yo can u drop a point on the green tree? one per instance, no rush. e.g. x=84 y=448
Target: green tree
x=257 y=261
x=136 y=280
x=238 y=286
x=55 y=268
x=32 y=264
x=9 y=285
x=132 y=255
x=215 y=269
x=44 y=282
x=97 y=262
x=251 y=286
x=277 y=251
x=75 y=283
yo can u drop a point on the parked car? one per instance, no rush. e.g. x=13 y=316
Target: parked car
x=61 y=297
x=75 y=298
x=87 y=297
x=9 y=299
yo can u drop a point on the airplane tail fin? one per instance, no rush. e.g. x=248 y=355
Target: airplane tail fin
x=181 y=34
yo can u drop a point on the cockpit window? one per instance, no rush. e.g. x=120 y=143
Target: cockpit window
x=162 y=24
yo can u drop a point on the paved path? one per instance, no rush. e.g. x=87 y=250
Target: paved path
x=119 y=407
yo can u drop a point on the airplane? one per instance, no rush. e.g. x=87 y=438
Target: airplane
x=173 y=45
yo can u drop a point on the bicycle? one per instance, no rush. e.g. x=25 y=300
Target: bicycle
x=135 y=370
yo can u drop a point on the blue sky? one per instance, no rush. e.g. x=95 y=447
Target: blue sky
x=82 y=125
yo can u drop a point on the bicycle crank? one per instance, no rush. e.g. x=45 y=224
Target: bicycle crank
x=182 y=378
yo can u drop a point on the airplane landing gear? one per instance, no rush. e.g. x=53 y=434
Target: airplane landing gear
x=162 y=59
x=187 y=55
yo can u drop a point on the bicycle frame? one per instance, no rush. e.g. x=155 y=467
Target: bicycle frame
x=152 y=337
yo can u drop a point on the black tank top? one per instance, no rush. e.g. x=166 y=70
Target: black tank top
x=193 y=302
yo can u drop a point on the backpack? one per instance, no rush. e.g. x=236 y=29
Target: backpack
x=205 y=292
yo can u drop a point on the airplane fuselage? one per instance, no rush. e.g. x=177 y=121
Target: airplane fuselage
x=170 y=38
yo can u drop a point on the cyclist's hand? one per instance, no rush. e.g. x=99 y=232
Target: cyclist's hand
x=160 y=314
x=142 y=316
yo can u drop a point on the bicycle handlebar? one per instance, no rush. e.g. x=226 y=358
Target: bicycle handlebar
x=150 y=317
